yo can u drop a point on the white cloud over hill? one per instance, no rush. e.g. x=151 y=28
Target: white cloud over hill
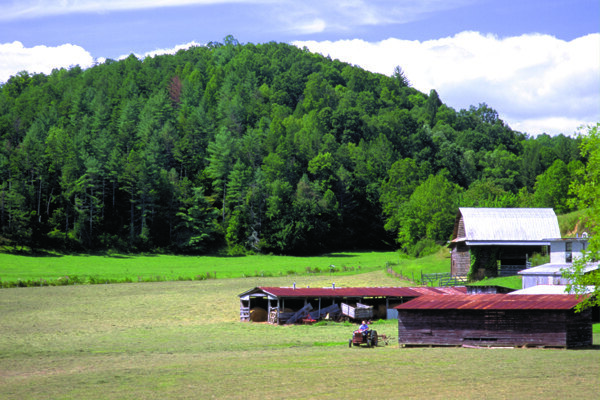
x=537 y=83
x=14 y=58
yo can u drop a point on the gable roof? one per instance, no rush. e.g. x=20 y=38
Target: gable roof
x=400 y=291
x=507 y=224
x=493 y=302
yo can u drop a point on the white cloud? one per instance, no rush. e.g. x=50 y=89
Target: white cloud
x=41 y=8
x=301 y=17
x=160 y=52
x=537 y=83
x=316 y=16
x=14 y=57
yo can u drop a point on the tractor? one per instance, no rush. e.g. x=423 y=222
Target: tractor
x=368 y=337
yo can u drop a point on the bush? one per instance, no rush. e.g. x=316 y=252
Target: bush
x=539 y=259
x=422 y=248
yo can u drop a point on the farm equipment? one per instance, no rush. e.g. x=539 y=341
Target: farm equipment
x=360 y=311
x=368 y=337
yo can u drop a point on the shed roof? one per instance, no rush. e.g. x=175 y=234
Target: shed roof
x=354 y=291
x=493 y=302
x=549 y=289
x=555 y=269
x=507 y=224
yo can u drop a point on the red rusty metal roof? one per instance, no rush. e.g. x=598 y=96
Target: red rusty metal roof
x=492 y=302
x=357 y=291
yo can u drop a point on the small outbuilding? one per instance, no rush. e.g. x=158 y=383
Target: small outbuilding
x=494 y=320
x=562 y=254
x=286 y=305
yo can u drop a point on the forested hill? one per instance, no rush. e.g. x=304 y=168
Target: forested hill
x=265 y=148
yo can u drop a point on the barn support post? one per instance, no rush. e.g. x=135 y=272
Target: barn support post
x=319 y=307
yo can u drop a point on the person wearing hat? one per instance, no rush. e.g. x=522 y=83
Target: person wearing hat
x=363 y=328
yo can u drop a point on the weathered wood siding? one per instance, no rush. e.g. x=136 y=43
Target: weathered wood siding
x=460 y=260
x=460 y=230
x=553 y=328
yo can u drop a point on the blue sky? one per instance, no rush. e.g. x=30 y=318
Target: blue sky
x=537 y=62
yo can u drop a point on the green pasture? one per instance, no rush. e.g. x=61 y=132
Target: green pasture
x=183 y=340
x=50 y=268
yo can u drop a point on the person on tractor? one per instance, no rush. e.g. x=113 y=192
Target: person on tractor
x=364 y=328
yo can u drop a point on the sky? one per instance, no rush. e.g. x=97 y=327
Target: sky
x=536 y=62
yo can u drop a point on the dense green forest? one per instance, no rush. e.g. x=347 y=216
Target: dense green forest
x=264 y=148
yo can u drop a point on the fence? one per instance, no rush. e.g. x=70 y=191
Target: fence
x=439 y=278
x=443 y=279
x=510 y=270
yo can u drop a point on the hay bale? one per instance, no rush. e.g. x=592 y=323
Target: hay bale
x=258 y=314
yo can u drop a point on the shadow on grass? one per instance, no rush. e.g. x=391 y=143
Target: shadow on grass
x=340 y=255
x=32 y=253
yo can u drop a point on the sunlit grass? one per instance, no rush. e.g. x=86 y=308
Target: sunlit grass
x=412 y=268
x=52 y=268
x=184 y=340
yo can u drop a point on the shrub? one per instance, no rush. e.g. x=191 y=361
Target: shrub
x=422 y=248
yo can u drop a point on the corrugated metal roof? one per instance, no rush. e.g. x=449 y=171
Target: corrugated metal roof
x=493 y=302
x=548 y=289
x=506 y=224
x=356 y=291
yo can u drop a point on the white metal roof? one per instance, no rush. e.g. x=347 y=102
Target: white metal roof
x=549 y=289
x=555 y=269
x=509 y=224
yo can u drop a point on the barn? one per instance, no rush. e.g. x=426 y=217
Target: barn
x=285 y=305
x=507 y=235
x=494 y=320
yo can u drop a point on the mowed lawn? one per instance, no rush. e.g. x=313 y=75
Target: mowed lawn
x=183 y=340
x=135 y=268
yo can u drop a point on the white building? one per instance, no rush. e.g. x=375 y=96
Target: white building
x=562 y=254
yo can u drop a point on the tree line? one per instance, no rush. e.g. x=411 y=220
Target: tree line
x=255 y=147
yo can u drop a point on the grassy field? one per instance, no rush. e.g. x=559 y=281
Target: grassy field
x=51 y=268
x=183 y=340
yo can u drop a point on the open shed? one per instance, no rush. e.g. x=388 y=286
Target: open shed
x=494 y=320
x=283 y=305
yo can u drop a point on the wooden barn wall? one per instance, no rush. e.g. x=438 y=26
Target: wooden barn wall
x=461 y=233
x=579 y=329
x=460 y=260
x=494 y=328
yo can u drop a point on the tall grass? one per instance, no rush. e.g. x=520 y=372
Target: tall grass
x=575 y=223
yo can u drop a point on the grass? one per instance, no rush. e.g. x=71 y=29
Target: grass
x=512 y=282
x=411 y=268
x=575 y=223
x=183 y=340
x=56 y=269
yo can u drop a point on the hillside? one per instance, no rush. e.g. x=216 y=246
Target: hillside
x=265 y=148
